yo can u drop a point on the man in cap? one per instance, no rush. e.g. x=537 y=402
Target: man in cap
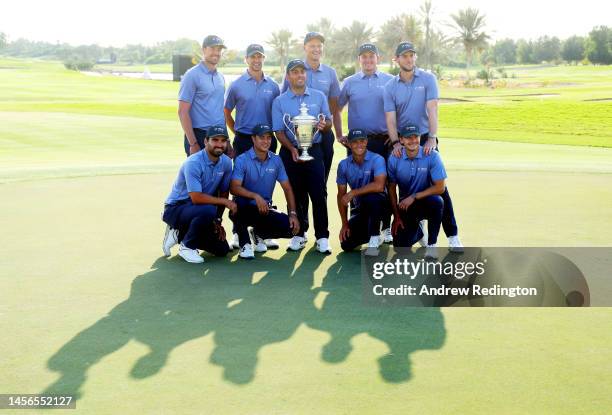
x=201 y=96
x=255 y=174
x=307 y=178
x=194 y=207
x=363 y=92
x=412 y=98
x=323 y=78
x=365 y=172
x=251 y=95
x=421 y=180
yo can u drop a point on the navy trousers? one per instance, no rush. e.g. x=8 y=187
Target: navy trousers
x=327 y=144
x=429 y=208
x=244 y=142
x=273 y=225
x=365 y=220
x=196 y=227
x=308 y=180
x=200 y=135
x=449 y=223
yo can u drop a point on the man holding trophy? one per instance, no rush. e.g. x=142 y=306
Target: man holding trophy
x=299 y=117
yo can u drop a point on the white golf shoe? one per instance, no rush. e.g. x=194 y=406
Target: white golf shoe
x=170 y=239
x=431 y=252
x=373 y=245
x=246 y=252
x=271 y=243
x=190 y=255
x=387 y=236
x=455 y=245
x=235 y=242
x=260 y=245
x=296 y=243
x=323 y=246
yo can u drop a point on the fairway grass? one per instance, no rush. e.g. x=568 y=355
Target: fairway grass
x=89 y=307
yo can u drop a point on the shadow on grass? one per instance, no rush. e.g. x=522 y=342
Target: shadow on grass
x=247 y=305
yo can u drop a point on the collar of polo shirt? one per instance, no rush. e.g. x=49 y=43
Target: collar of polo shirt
x=418 y=156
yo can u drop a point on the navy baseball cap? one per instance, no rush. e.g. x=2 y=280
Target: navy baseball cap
x=212 y=40
x=313 y=35
x=368 y=47
x=261 y=129
x=357 y=134
x=253 y=49
x=409 y=130
x=215 y=131
x=404 y=47
x=294 y=63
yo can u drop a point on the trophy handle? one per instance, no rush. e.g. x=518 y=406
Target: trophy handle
x=320 y=117
x=285 y=117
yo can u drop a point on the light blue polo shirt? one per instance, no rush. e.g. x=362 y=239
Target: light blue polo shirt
x=204 y=90
x=252 y=100
x=365 y=97
x=409 y=100
x=259 y=176
x=358 y=175
x=323 y=79
x=289 y=103
x=417 y=174
x=200 y=174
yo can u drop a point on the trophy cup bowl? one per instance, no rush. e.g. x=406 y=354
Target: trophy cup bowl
x=303 y=132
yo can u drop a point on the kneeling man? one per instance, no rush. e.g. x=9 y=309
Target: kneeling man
x=421 y=180
x=255 y=174
x=365 y=172
x=194 y=208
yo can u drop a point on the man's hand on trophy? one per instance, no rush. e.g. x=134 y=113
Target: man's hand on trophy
x=295 y=154
x=321 y=125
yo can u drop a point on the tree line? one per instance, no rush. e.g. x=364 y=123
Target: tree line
x=464 y=41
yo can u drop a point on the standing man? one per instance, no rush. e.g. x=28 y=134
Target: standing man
x=412 y=98
x=201 y=96
x=307 y=178
x=251 y=95
x=364 y=94
x=366 y=173
x=194 y=208
x=255 y=175
x=421 y=179
x=322 y=78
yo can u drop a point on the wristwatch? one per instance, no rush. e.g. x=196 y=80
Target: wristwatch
x=293 y=212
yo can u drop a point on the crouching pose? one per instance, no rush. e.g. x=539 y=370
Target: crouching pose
x=194 y=208
x=365 y=172
x=421 y=180
x=255 y=174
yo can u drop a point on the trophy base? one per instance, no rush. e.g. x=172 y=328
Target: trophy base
x=305 y=156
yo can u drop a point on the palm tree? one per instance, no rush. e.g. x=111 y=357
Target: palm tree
x=398 y=29
x=349 y=38
x=469 y=24
x=427 y=14
x=282 y=41
x=323 y=26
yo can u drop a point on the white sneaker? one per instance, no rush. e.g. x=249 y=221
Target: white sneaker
x=235 y=243
x=387 y=236
x=190 y=255
x=271 y=243
x=323 y=246
x=296 y=243
x=431 y=252
x=260 y=245
x=246 y=252
x=373 y=246
x=170 y=239
x=423 y=241
x=455 y=245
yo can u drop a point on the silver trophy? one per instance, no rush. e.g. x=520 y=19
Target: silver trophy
x=304 y=125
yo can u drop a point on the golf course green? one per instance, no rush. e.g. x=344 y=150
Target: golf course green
x=90 y=307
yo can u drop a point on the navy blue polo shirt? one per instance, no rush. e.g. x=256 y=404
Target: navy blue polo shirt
x=358 y=175
x=365 y=97
x=200 y=174
x=417 y=174
x=252 y=100
x=409 y=99
x=204 y=90
x=259 y=176
x=289 y=103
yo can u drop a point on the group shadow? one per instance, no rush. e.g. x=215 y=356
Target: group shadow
x=246 y=305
